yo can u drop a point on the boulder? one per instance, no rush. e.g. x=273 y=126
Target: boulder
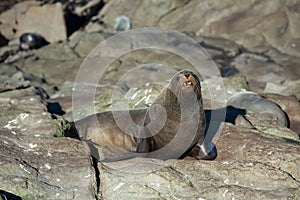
x=35 y=164
x=248 y=166
x=30 y=16
x=46 y=20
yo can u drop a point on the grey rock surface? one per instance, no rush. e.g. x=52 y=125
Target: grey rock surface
x=271 y=33
x=35 y=164
x=285 y=88
x=255 y=45
x=47 y=20
x=244 y=169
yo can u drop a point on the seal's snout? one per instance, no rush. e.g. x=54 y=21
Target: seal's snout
x=187 y=74
x=187 y=78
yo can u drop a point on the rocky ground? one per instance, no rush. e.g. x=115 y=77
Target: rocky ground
x=255 y=45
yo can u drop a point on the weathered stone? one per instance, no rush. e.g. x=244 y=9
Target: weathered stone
x=264 y=27
x=3 y=40
x=259 y=70
x=57 y=51
x=88 y=42
x=156 y=9
x=46 y=20
x=10 y=19
x=87 y=7
x=45 y=168
x=286 y=88
x=56 y=72
x=34 y=164
x=291 y=106
x=243 y=169
x=267 y=124
x=231 y=85
x=257 y=158
x=16 y=81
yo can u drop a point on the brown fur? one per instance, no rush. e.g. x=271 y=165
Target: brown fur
x=103 y=132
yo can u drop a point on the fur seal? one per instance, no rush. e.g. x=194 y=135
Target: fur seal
x=173 y=125
x=31 y=41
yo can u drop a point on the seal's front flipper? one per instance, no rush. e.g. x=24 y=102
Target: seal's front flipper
x=205 y=152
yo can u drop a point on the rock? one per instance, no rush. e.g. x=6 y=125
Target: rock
x=7 y=70
x=268 y=125
x=155 y=9
x=122 y=23
x=258 y=157
x=286 y=88
x=257 y=104
x=56 y=51
x=231 y=85
x=143 y=96
x=29 y=16
x=87 y=42
x=55 y=71
x=40 y=168
x=291 y=106
x=244 y=168
x=265 y=27
x=259 y=70
x=86 y=8
x=5 y=5
x=7 y=53
x=10 y=18
x=34 y=164
x=17 y=81
x=36 y=19
x=3 y=40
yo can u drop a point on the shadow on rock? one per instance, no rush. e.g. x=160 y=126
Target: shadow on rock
x=8 y=196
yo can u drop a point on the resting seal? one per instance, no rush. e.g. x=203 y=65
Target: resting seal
x=173 y=124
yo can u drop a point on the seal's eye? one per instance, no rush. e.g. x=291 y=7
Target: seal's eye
x=177 y=78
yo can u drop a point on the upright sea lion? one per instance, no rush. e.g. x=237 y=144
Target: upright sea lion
x=173 y=124
x=182 y=101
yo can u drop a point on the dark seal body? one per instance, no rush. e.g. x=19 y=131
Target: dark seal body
x=173 y=124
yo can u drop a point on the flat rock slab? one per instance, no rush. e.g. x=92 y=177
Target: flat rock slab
x=249 y=166
x=47 y=20
x=40 y=168
x=34 y=164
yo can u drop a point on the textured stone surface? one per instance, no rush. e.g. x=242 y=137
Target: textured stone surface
x=47 y=20
x=35 y=164
x=268 y=28
x=255 y=45
x=290 y=105
x=244 y=169
x=9 y=19
x=286 y=88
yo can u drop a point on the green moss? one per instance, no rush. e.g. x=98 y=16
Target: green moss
x=62 y=127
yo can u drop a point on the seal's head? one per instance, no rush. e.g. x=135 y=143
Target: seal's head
x=185 y=84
